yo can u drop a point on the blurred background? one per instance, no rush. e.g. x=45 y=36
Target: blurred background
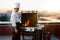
x=47 y=10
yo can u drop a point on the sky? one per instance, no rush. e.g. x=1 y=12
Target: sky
x=48 y=5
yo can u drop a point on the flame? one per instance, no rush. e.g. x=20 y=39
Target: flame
x=27 y=22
